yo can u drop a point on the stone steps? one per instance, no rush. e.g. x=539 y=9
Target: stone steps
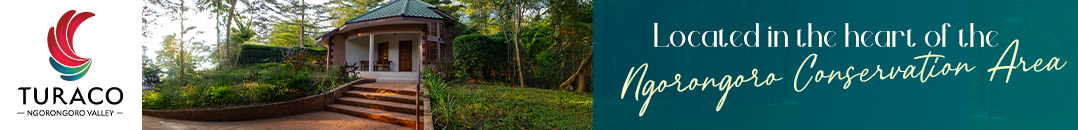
x=407 y=120
x=393 y=103
x=382 y=96
x=387 y=77
x=396 y=80
x=402 y=89
x=377 y=104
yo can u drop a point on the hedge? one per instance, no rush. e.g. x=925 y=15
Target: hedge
x=255 y=53
x=480 y=56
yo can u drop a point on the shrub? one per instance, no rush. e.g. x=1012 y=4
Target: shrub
x=480 y=56
x=253 y=54
x=259 y=83
x=442 y=105
x=152 y=100
x=266 y=92
x=220 y=95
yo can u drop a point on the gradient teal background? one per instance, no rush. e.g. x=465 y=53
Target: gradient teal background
x=1042 y=100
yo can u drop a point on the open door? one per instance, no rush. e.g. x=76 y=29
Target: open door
x=405 y=56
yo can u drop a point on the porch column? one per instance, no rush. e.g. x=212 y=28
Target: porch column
x=421 y=45
x=370 y=61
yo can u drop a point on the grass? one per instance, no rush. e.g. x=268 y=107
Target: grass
x=487 y=106
x=257 y=84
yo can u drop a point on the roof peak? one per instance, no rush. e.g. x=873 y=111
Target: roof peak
x=409 y=8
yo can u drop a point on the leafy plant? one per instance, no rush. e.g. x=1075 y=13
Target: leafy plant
x=480 y=56
x=441 y=104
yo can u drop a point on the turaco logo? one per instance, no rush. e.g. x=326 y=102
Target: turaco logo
x=63 y=57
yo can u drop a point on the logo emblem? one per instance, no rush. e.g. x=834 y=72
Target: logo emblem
x=63 y=57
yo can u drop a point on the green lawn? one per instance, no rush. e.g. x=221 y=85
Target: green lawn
x=502 y=107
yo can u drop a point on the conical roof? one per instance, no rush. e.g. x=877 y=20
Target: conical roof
x=409 y=8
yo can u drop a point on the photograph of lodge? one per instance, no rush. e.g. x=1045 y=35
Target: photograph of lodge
x=392 y=42
x=366 y=64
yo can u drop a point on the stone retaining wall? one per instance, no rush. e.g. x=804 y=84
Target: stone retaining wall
x=311 y=103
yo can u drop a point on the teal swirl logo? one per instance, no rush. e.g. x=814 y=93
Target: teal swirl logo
x=71 y=66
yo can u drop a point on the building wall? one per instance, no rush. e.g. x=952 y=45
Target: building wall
x=358 y=48
x=338 y=50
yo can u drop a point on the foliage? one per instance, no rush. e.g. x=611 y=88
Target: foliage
x=255 y=54
x=552 y=39
x=487 y=106
x=238 y=37
x=178 y=59
x=492 y=106
x=478 y=14
x=480 y=56
x=344 y=10
x=151 y=75
x=151 y=72
x=288 y=34
x=447 y=6
x=261 y=83
x=296 y=22
x=441 y=102
x=179 y=53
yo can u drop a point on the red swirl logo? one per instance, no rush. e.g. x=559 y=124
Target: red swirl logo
x=60 y=40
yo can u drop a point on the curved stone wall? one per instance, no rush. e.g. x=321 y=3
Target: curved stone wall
x=311 y=103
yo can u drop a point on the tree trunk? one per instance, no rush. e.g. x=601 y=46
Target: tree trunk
x=181 y=58
x=516 y=33
x=228 y=30
x=582 y=79
x=302 y=18
x=234 y=57
x=579 y=70
x=217 y=25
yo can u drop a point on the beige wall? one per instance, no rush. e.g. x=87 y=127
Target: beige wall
x=353 y=46
x=338 y=51
x=358 y=48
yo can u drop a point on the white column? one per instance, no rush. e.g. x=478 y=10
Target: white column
x=370 y=61
x=419 y=45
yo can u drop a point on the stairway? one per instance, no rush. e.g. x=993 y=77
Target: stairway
x=392 y=103
x=399 y=77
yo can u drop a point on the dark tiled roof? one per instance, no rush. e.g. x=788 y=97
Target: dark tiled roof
x=409 y=8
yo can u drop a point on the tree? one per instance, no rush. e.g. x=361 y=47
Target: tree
x=287 y=34
x=176 y=52
x=478 y=14
x=446 y=6
x=572 y=21
x=225 y=52
x=515 y=11
x=176 y=57
x=243 y=34
x=217 y=7
x=151 y=73
x=344 y=10
x=298 y=13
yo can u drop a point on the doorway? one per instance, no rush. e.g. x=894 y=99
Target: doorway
x=405 y=56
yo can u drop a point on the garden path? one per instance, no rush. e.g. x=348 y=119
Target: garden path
x=314 y=120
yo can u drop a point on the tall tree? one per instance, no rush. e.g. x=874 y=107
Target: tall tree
x=226 y=9
x=515 y=12
x=287 y=33
x=344 y=10
x=218 y=9
x=151 y=73
x=176 y=48
x=572 y=21
x=447 y=6
x=300 y=13
x=478 y=15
